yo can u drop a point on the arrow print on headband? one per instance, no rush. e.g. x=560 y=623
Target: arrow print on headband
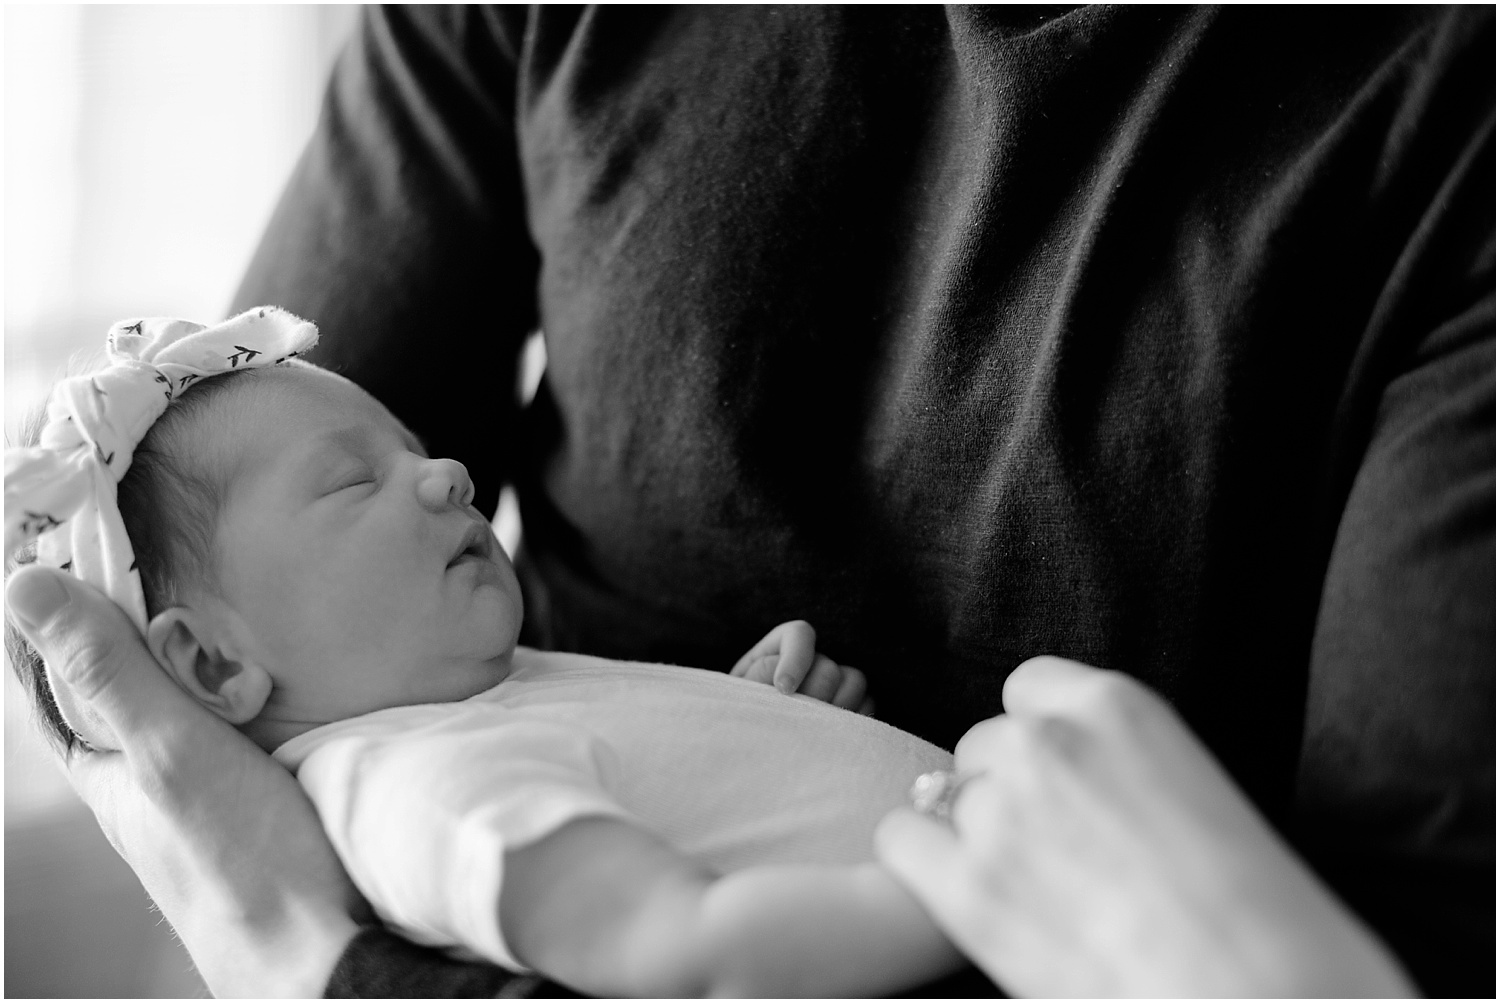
x=248 y=353
x=37 y=523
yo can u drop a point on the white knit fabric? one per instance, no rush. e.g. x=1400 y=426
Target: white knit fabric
x=62 y=492
x=422 y=802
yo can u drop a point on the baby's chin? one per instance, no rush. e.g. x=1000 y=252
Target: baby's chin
x=496 y=670
x=467 y=680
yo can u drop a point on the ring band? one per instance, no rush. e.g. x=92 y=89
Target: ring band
x=933 y=793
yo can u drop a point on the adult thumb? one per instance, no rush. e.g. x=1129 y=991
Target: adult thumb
x=105 y=680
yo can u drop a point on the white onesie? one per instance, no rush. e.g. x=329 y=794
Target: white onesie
x=422 y=802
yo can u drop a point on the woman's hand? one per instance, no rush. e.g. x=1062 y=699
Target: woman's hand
x=222 y=837
x=1098 y=850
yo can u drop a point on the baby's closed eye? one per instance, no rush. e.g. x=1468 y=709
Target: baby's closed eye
x=351 y=478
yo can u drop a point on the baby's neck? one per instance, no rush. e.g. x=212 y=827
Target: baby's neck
x=283 y=718
x=271 y=734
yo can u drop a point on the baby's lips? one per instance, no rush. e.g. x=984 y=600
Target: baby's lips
x=476 y=540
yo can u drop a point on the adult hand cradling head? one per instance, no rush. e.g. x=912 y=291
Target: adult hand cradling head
x=246 y=877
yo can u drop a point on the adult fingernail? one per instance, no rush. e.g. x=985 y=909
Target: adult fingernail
x=35 y=597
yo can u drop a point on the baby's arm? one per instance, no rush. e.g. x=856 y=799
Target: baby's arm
x=613 y=911
x=787 y=658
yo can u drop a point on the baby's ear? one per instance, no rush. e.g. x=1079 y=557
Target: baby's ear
x=183 y=641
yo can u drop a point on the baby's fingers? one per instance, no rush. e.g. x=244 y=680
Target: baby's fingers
x=757 y=668
x=823 y=680
x=749 y=660
x=852 y=690
x=784 y=653
x=798 y=647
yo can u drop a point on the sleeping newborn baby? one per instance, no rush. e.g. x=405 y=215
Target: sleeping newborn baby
x=300 y=565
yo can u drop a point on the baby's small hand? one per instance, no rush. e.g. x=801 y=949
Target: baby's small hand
x=787 y=658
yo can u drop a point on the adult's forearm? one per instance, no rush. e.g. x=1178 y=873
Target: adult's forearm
x=290 y=950
x=251 y=931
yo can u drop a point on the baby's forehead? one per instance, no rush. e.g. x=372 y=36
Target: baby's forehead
x=284 y=412
x=310 y=393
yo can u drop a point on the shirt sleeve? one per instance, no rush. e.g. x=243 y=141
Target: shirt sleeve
x=1396 y=788
x=402 y=230
x=379 y=965
x=423 y=821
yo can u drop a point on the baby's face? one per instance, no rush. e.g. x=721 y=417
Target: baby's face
x=363 y=574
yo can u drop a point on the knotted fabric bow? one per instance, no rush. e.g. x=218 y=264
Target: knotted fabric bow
x=62 y=492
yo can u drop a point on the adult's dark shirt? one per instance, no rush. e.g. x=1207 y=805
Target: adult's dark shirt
x=1161 y=339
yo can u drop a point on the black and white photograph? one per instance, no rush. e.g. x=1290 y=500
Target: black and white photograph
x=830 y=501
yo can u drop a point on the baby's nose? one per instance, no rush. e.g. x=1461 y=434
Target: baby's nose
x=444 y=483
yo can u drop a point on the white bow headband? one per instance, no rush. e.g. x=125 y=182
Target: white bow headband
x=62 y=493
